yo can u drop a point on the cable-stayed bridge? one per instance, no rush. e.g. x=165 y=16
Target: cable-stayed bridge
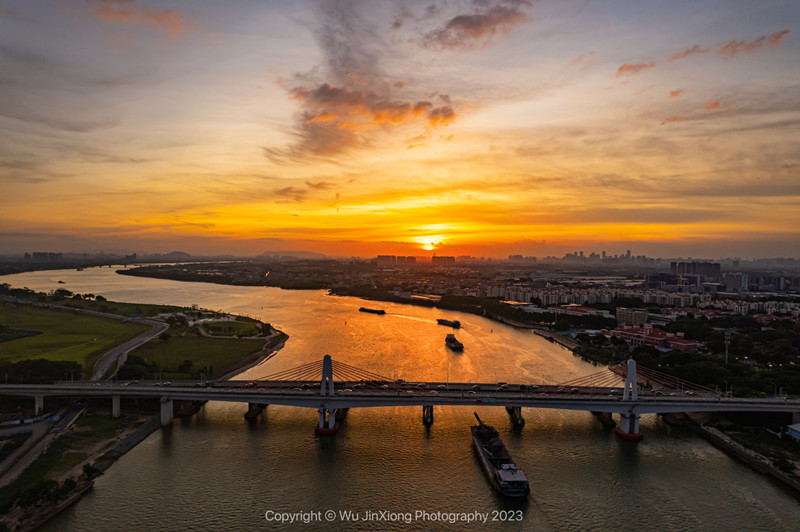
x=334 y=387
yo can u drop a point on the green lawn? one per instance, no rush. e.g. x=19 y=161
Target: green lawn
x=221 y=353
x=232 y=328
x=123 y=309
x=65 y=335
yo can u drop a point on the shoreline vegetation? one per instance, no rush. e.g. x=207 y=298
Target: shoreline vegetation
x=59 y=464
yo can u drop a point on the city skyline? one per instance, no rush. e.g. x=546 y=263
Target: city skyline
x=484 y=128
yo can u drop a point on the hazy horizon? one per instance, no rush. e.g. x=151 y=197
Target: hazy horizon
x=358 y=128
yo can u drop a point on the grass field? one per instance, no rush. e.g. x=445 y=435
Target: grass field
x=232 y=328
x=65 y=335
x=221 y=353
x=123 y=309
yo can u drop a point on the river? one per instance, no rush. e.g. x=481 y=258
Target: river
x=216 y=471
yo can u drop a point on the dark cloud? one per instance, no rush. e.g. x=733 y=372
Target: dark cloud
x=479 y=27
x=295 y=194
x=322 y=185
x=351 y=99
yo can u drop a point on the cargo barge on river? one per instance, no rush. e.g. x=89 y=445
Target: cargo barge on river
x=500 y=469
x=372 y=310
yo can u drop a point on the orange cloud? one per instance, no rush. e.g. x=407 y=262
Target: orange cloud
x=675 y=93
x=335 y=117
x=674 y=118
x=731 y=48
x=696 y=49
x=328 y=103
x=582 y=58
x=712 y=105
x=129 y=12
x=634 y=69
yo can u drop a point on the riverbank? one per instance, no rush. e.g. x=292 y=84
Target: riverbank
x=700 y=422
x=65 y=470
x=269 y=350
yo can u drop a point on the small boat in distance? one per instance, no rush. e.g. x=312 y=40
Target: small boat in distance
x=455 y=324
x=503 y=473
x=372 y=310
x=451 y=342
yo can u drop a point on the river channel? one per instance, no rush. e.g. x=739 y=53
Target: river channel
x=216 y=471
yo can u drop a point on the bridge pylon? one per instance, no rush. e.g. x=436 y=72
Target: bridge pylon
x=628 y=427
x=326 y=386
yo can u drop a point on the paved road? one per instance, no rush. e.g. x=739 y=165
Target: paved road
x=119 y=352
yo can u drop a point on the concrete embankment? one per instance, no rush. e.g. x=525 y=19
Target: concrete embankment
x=129 y=442
x=758 y=462
x=559 y=339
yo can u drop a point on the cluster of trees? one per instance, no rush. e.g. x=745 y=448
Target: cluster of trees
x=43 y=492
x=137 y=368
x=39 y=371
x=776 y=343
x=706 y=369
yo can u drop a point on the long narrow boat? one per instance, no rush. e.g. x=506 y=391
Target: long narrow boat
x=372 y=310
x=500 y=469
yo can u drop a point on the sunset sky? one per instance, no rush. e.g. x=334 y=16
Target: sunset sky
x=486 y=127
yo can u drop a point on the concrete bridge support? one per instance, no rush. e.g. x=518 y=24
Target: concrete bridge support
x=254 y=409
x=605 y=418
x=341 y=413
x=515 y=413
x=38 y=404
x=327 y=422
x=427 y=415
x=115 y=406
x=166 y=411
x=629 y=427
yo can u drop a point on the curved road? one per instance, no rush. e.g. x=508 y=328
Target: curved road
x=119 y=352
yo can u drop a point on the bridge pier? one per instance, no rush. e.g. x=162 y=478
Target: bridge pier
x=605 y=418
x=115 y=406
x=628 y=428
x=327 y=422
x=515 y=413
x=254 y=409
x=341 y=413
x=166 y=412
x=427 y=415
x=38 y=404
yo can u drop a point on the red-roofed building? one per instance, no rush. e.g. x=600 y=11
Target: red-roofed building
x=649 y=335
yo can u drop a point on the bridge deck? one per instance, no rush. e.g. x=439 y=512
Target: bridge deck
x=375 y=394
